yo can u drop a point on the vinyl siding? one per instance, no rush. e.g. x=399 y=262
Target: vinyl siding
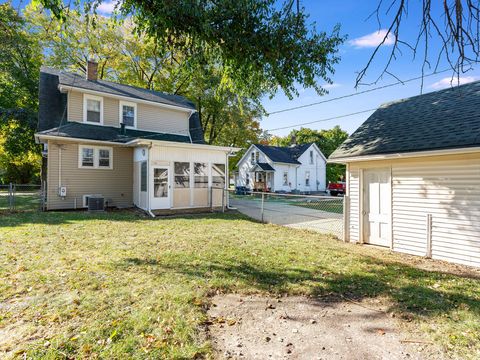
x=448 y=188
x=115 y=185
x=149 y=117
x=354 y=203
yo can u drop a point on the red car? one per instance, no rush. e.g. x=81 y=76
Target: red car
x=336 y=188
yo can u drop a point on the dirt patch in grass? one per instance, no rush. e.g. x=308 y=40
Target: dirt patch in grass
x=259 y=327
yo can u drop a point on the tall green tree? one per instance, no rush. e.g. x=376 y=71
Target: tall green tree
x=20 y=59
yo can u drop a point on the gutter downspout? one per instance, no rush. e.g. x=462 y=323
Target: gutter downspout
x=149 y=210
x=227 y=182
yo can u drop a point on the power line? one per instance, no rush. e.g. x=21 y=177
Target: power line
x=321 y=120
x=358 y=93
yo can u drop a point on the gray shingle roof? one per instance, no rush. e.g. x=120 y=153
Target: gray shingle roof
x=265 y=166
x=287 y=155
x=79 y=81
x=438 y=120
x=77 y=130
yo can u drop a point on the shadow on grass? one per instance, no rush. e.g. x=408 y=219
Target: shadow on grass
x=128 y=215
x=410 y=290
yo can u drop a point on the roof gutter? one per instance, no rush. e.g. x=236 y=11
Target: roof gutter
x=405 y=155
x=65 y=88
x=39 y=137
x=138 y=142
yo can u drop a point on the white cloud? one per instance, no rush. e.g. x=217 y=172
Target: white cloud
x=373 y=40
x=107 y=7
x=331 y=86
x=449 y=81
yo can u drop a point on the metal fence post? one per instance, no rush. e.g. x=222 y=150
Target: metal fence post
x=263 y=201
x=10 y=197
x=211 y=197
x=224 y=198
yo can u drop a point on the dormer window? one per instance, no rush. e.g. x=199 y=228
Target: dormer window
x=92 y=109
x=128 y=114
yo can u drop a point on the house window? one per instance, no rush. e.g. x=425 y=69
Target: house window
x=182 y=174
x=92 y=109
x=307 y=178
x=128 y=114
x=143 y=176
x=200 y=172
x=87 y=157
x=257 y=156
x=104 y=158
x=252 y=158
x=95 y=157
x=218 y=176
x=247 y=180
x=311 y=157
x=285 y=178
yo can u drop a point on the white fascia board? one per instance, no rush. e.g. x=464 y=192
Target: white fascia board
x=244 y=155
x=40 y=137
x=405 y=155
x=226 y=149
x=66 y=88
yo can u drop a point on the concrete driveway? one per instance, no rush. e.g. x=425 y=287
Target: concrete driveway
x=290 y=213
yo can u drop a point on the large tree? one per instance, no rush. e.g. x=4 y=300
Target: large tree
x=20 y=58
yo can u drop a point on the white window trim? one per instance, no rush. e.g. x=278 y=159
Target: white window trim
x=283 y=180
x=92 y=97
x=96 y=157
x=120 y=113
x=307 y=178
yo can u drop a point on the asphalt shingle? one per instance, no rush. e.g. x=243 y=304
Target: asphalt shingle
x=288 y=155
x=438 y=120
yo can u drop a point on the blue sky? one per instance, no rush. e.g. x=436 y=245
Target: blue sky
x=363 y=34
x=352 y=15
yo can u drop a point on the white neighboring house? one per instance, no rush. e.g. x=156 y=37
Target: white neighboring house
x=273 y=168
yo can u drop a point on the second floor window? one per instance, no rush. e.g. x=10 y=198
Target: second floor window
x=252 y=161
x=311 y=157
x=128 y=114
x=93 y=109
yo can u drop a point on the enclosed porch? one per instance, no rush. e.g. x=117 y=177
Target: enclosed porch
x=180 y=176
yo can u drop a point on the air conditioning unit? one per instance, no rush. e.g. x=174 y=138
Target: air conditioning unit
x=94 y=202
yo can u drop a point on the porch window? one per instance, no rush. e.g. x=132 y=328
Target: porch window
x=95 y=157
x=200 y=172
x=307 y=178
x=182 y=174
x=218 y=176
x=143 y=176
x=285 y=178
x=92 y=109
x=128 y=114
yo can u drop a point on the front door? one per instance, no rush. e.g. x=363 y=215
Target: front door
x=377 y=207
x=161 y=188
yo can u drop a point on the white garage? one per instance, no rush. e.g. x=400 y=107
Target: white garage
x=413 y=176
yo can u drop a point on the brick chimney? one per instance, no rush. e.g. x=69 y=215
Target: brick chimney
x=92 y=67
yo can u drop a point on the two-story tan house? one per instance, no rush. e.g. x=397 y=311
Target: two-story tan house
x=126 y=145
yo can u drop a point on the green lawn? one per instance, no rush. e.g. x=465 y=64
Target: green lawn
x=117 y=285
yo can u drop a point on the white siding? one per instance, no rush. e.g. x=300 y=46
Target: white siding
x=296 y=173
x=448 y=188
x=354 y=194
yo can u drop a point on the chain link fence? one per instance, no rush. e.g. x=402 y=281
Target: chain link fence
x=21 y=197
x=320 y=213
